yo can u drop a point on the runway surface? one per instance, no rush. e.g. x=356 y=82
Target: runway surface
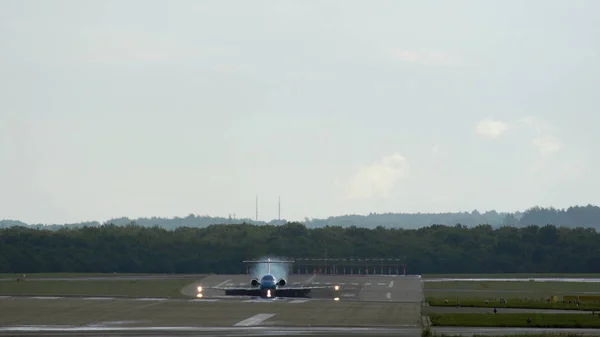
x=406 y=289
x=368 y=305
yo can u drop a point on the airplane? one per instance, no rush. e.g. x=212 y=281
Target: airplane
x=268 y=286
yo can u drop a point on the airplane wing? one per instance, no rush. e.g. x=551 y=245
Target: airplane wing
x=239 y=291
x=279 y=292
x=300 y=291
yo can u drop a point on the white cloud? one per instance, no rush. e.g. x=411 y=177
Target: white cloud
x=491 y=128
x=436 y=148
x=547 y=145
x=378 y=179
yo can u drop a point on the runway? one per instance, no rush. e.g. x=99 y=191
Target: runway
x=392 y=288
x=282 y=331
x=368 y=305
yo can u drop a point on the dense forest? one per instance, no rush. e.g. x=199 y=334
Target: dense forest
x=576 y=216
x=221 y=248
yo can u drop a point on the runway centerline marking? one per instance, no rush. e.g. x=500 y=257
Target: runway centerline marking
x=222 y=283
x=391 y=284
x=254 y=320
x=381 y=283
x=388 y=296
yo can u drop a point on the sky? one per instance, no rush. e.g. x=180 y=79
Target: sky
x=168 y=108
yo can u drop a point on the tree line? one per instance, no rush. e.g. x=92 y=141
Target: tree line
x=575 y=216
x=221 y=248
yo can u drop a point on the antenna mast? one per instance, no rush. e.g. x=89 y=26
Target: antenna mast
x=257 y=207
x=279 y=210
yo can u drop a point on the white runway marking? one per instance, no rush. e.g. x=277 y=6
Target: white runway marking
x=98 y=298
x=328 y=283
x=316 y=282
x=380 y=284
x=4 y=297
x=388 y=296
x=367 y=284
x=254 y=320
x=222 y=283
x=204 y=300
x=299 y=301
x=391 y=284
x=310 y=279
x=44 y=298
x=341 y=283
x=296 y=283
x=355 y=284
x=150 y=299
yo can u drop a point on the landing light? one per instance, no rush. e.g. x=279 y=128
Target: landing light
x=199 y=289
x=269 y=293
x=337 y=288
x=199 y=295
x=336 y=299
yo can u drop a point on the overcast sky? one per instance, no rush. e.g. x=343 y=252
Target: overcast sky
x=165 y=108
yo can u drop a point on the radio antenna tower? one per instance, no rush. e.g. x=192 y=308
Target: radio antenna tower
x=257 y=207
x=279 y=210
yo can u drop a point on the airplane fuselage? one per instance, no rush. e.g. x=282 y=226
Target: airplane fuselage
x=268 y=285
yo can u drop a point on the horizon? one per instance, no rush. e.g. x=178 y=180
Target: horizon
x=283 y=219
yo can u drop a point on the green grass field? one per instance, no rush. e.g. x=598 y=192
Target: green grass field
x=127 y=288
x=511 y=275
x=517 y=320
x=513 y=286
x=528 y=294
x=511 y=303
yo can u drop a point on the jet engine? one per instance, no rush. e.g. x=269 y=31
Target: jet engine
x=255 y=282
x=281 y=282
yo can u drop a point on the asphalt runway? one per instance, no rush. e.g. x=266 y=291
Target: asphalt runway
x=369 y=305
x=389 y=288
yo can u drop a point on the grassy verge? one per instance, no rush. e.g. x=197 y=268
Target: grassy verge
x=510 y=303
x=517 y=320
x=127 y=288
x=427 y=332
x=512 y=286
x=510 y=275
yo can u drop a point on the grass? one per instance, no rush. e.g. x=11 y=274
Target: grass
x=517 y=320
x=512 y=286
x=511 y=303
x=512 y=275
x=531 y=295
x=128 y=288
